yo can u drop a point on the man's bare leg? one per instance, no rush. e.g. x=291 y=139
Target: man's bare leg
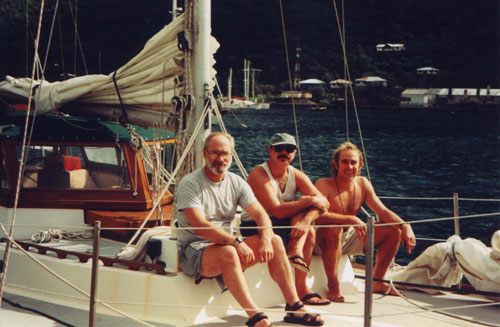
x=301 y=276
x=224 y=260
x=295 y=247
x=387 y=238
x=330 y=240
x=281 y=272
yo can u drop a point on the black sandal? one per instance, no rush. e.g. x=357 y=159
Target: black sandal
x=256 y=318
x=307 y=319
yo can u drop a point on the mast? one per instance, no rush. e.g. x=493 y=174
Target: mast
x=246 y=78
x=230 y=84
x=201 y=72
x=175 y=9
x=296 y=80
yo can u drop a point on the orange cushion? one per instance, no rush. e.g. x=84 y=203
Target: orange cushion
x=72 y=163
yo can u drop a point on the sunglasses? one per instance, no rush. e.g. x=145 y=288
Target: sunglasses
x=287 y=147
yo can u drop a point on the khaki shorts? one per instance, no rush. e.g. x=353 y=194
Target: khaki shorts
x=350 y=243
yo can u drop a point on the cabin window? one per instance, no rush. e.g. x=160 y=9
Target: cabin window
x=75 y=167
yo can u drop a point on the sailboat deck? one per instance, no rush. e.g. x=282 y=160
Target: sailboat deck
x=386 y=310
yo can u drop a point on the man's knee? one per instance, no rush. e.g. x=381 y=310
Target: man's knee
x=277 y=242
x=227 y=255
x=329 y=237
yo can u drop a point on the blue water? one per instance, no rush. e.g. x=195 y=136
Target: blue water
x=411 y=153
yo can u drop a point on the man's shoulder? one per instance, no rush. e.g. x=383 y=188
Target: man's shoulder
x=234 y=178
x=191 y=177
x=362 y=180
x=257 y=172
x=325 y=180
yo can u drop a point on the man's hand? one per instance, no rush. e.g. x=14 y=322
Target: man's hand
x=321 y=203
x=361 y=230
x=245 y=253
x=265 y=251
x=317 y=201
x=408 y=237
x=300 y=226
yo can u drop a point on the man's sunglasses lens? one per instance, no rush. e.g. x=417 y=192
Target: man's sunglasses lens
x=287 y=147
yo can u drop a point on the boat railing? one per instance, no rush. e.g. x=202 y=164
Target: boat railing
x=368 y=257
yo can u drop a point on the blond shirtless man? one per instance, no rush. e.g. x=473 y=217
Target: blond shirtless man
x=347 y=191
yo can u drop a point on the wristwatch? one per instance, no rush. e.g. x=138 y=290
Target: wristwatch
x=237 y=241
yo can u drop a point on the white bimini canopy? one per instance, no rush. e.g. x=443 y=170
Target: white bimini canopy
x=311 y=81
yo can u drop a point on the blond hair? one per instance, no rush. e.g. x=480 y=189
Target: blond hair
x=336 y=156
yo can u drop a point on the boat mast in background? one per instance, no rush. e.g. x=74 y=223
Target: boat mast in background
x=230 y=84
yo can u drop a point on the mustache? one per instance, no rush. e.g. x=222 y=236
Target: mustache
x=283 y=156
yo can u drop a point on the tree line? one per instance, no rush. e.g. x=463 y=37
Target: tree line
x=459 y=37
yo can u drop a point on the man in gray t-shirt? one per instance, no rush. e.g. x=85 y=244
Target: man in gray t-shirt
x=208 y=198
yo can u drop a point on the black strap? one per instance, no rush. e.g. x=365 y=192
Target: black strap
x=119 y=97
x=255 y=319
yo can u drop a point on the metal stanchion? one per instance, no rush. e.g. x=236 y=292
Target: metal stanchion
x=369 y=270
x=456 y=214
x=95 y=265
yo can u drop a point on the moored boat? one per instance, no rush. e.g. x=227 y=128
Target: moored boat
x=121 y=193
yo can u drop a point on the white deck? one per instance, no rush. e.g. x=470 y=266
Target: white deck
x=174 y=296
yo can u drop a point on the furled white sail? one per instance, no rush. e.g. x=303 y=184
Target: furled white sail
x=146 y=83
x=445 y=263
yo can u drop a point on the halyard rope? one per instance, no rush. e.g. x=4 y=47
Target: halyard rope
x=3 y=276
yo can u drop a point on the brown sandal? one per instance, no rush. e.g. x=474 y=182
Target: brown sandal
x=256 y=318
x=307 y=319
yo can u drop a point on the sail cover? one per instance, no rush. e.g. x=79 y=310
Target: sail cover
x=444 y=264
x=146 y=83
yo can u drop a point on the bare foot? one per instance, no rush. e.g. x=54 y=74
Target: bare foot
x=312 y=298
x=334 y=295
x=259 y=320
x=263 y=323
x=384 y=288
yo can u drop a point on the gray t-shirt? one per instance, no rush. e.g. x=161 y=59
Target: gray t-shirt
x=219 y=201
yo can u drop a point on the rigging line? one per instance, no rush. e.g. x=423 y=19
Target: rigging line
x=440 y=288
x=156 y=203
x=235 y=154
x=77 y=37
x=80 y=127
x=441 y=311
x=345 y=79
x=65 y=281
x=61 y=46
x=117 y=89
x=290 y=82
x=50 y=36
x=436 y=198
x=346 y=65
x=21 y=169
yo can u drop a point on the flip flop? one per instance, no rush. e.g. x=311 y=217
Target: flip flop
x=298 y=262
x=307 y=297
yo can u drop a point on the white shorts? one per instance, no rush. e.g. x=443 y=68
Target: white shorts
x=350 y=243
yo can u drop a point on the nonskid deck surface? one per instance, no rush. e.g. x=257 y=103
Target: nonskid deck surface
x=388 y=311
x=12 y=316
